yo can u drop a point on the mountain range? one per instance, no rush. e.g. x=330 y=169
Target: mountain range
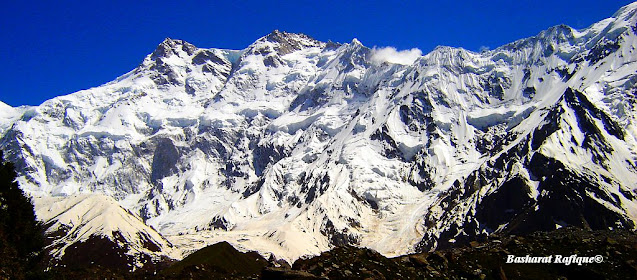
x=292 y=146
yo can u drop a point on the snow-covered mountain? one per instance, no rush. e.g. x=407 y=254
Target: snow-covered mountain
x=291 y=145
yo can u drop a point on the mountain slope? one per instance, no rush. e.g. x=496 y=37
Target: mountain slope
x=292 y=145
x=93 y=229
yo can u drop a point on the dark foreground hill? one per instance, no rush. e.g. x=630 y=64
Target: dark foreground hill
x=485 y=260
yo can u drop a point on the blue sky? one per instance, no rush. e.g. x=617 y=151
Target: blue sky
x=51 y=48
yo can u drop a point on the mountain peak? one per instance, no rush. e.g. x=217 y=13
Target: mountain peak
x=627 y=12
x=278 y=36
x=285 y=42
x=356 y=42
x=171 y=46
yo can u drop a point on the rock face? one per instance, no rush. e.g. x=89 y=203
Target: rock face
x=292 y=145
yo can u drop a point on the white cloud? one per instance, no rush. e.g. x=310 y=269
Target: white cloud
x=391 y=55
